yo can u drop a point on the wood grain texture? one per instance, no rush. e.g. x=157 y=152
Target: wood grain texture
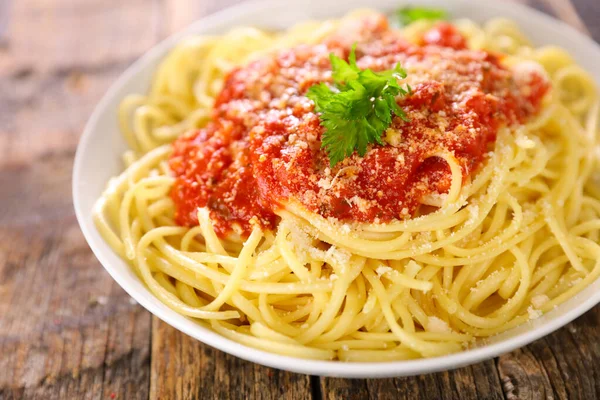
x=183 y=368
x=479 y=381
x=68 y=331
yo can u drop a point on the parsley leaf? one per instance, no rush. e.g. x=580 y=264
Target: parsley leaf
x=358 y=108
x=409 y=15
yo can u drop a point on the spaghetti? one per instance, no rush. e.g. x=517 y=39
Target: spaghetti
x=229 y=213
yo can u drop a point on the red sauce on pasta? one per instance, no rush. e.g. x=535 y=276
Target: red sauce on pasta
x=262 y=148
x=446 y=35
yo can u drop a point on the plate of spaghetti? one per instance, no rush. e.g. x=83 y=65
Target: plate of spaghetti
x=335 y=190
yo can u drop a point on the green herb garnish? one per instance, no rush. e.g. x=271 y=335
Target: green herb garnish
x=359 y=107
x=409 y=15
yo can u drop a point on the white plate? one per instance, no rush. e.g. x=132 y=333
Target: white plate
x=98 y=159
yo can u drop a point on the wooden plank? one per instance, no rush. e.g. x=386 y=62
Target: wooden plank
x=97 y=33
x=479 y=381
x=66 y=329
x=533 y=372
x=184 y=368
x=559 y=366
x=564 y=365
x=83 y=339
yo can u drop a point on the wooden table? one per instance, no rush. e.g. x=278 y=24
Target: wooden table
x=68 y=331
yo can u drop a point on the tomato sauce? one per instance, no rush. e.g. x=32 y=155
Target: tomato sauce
x=263 y=146
x=446 y=35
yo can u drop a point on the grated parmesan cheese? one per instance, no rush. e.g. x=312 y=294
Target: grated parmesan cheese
x=437 y=325
x=539 y=300
x=524 y=142
x=383 y=270
x=533 y=313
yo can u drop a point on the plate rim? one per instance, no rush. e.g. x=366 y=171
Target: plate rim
x=293 y=364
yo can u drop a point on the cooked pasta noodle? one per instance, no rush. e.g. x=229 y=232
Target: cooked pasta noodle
x=515 y=239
